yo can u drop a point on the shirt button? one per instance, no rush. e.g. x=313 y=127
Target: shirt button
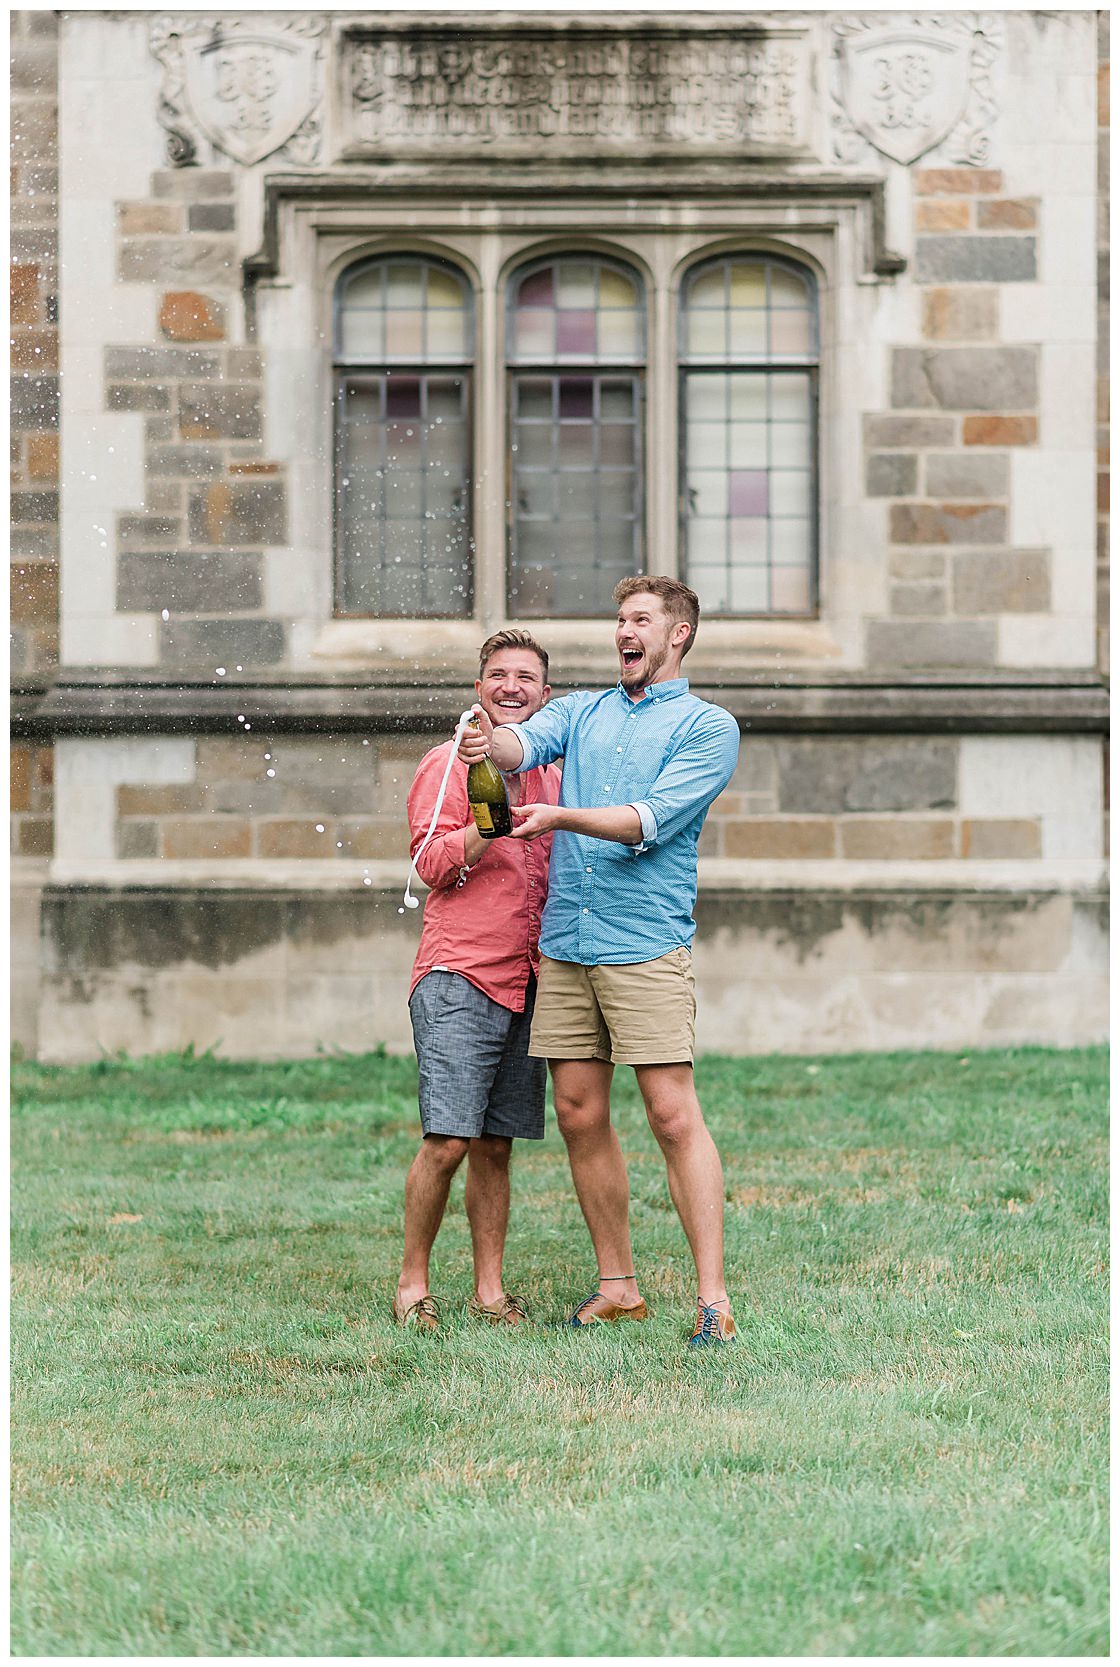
x=589 y=871
x=587 y=911
x=618 y=749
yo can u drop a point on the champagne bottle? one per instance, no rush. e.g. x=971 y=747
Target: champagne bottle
x=489 y=801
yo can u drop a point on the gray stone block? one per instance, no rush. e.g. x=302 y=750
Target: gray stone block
x=948 y=524
x=249 y=511
x=219 y=411
x=137 y=396
x=892 y=475
x=244 y=364
x=965 y=378
x=33 y=541
x=1001 y=582
x=866 y=774
x=967 y=475
x=210 y=217
x=987 y=260
x=918 y=601
x=194 y=462
x=34 y=506
x=916 y=564
x=139 y=364
x=137 y=839
x=194 y=184
x=911 y=645
x=901 y=432
x=146 y=532
x=187 y=583
x=211 y=643
x=33 y=402
x=186 y=261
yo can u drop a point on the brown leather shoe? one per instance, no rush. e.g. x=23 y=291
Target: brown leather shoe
x=599 y=1309
x=424 y=1315
x=510 y=1311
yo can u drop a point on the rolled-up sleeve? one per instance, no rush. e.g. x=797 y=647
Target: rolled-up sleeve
x=544 y=736
x=445 y=856
x=697 y=773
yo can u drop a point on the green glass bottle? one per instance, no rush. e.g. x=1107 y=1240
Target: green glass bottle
x=489 y=801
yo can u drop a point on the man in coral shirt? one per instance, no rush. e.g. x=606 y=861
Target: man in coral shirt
x=473 y=987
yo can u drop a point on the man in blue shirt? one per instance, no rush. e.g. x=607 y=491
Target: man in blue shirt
x=642 y=763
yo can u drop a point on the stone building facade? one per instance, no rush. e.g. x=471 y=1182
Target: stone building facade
x=342 y=339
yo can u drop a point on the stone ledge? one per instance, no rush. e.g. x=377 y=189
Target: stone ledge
x=717 y=875
x=1043 y=702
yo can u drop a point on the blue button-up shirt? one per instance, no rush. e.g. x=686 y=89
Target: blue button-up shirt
x=669 y=755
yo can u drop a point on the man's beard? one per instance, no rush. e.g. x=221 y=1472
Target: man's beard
x=654 y=659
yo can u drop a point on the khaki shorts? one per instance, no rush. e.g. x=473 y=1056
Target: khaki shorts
x=643 y=1013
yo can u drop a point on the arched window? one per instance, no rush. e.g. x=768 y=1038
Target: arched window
x=576 y=353
x=403 y=348
x=748 y=356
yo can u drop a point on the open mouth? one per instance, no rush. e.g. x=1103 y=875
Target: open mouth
x=631 y=656
x=510 y=705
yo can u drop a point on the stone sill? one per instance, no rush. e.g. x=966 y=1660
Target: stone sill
x=1085 y=877
x=779 y=702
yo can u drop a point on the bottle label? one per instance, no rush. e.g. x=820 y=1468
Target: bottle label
x=483 y=820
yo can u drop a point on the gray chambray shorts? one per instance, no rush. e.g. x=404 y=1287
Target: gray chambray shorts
x=476 y=1076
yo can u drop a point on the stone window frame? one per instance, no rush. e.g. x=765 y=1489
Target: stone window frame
x=317 y=240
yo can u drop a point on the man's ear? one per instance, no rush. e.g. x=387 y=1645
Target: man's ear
x=681 y=625
x=547 y=692
x=478 y=688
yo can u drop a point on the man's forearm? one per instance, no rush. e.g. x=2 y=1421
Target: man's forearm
x=506 y=749
x=618 y=822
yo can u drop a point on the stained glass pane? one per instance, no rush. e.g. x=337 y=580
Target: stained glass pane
x=575 y=284
x=748 y=492
x=789 y=398
x=706 y=398
x=404 y=335
x=748 y=397
x=789 y=333
x=537 y=290
x=787 y=289
x=620 y=335
x=576 y=397
x=708 y=290
x=750 y=590
x=363 y=334
x=748 y=335
x=534 y=445
x=750 y=542
x=748 y=285
x=365 y=289
x=710 y=585
x=748 y=445
x=615 y=289
x=707 y=444
x=535 y=334
x=790 y=445
x=790 y=492
x=791 y=542
x=447 y=335
x=575 y=445
x=707 y=333
x=534 y=399
x=616 y=444
x=444 y=290
x=402 y=396
x=790 y=590
x=707 y=492
x=575 y=333
x=616 y=399
x=404 y=286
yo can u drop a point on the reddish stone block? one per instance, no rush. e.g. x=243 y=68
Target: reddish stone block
x=42 y=456
x=19 y=766
x=209 y=837
x=24 y=289
x=1000 y=431
x=1007 y=214
x=945 y=214
x=948 y=524
x=955 y=182
x=35 y=350
x=34 y=588
x=187 y=316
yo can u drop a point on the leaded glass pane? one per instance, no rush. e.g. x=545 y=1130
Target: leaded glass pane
x=748 y=444
x=576 y=308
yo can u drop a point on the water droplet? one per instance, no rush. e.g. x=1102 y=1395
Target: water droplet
x=164 y=614
x=319 y=828
x=270 y=772
x=220 y=671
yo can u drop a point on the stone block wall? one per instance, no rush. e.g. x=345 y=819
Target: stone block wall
x=861 y=798
x=941 y=456
x=191 y=555
x=34 y=344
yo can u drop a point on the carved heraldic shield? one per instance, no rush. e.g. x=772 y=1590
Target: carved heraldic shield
x=905 y=92
x=249 y=94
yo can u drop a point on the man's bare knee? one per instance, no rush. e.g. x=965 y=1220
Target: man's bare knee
x=491 y=1149
x=445 y=1151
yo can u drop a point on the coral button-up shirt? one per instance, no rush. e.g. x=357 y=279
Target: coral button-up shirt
x=483 y=922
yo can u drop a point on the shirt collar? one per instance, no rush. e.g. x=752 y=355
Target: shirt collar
x=657 y=691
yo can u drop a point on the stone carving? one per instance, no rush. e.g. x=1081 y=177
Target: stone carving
x=249 y=83
x=906 y=82
x=503 y=93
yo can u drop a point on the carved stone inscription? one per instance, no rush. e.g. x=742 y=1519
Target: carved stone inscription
x=711 y=92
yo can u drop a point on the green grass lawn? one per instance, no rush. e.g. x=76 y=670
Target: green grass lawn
x=224 y=1447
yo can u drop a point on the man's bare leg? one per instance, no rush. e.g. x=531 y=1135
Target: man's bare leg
x=425 y=1198
x=695 y=1171
x=487 y=1201
x=581 y=1092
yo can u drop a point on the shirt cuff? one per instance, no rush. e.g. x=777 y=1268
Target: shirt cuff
x=526 y=762
x=649 y=826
